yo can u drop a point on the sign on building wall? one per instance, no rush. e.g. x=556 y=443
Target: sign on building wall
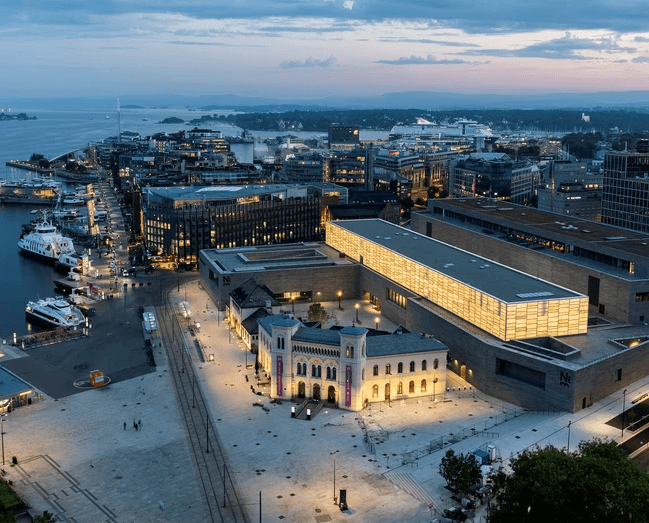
x=348 y=387
x=280 y=371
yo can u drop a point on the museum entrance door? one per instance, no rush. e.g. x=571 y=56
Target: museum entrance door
x=301 y=390
x=331 y=394
x=316 y=392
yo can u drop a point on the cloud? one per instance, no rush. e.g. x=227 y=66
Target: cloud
x=309 y=62
x=641 y=60
x=565 y=48
x=418 y=60
x=443 y=43
x=641 y=39
x=504 y=16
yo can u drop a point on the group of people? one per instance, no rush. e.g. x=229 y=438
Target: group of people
x=137 y=425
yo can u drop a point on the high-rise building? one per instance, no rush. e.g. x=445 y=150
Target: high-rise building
x=625 y=196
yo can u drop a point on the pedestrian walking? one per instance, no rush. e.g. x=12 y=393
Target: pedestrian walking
x=139 y=424
x=124 y=425
x=134 y=425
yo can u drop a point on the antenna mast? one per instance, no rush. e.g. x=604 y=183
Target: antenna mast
x=119 y=123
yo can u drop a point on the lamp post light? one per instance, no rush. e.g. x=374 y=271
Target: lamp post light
x=569 y=423
x=376 y=320
x=334 y=455
x=435 y=380
x=2 y=434
x=340 y=295
x=623 y=410
x=293 y=304
x=357 y=307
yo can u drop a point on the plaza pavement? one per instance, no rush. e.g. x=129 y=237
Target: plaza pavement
x=76 y=460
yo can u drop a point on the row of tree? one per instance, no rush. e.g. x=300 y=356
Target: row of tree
x=596 y=483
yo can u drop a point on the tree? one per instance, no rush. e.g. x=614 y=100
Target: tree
x=460 y=471
x=47 y=517
x=596 y=483
x=317 y=312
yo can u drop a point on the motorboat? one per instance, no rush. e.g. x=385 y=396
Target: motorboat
x=45 y=242
x=54 y=312
x=76 y=262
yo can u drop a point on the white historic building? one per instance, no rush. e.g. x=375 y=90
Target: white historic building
x=348 y=367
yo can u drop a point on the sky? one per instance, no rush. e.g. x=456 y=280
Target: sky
x=294 y=49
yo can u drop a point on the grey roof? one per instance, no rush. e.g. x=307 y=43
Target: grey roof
x=278 y=320
x=487 y=276
x=353 y=331
x=251 y=294
x=323 y=336
x=250 y=324
x=11 y=385
x=395 y=344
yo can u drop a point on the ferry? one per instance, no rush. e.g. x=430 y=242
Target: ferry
x=54 y=312
x=46 y=243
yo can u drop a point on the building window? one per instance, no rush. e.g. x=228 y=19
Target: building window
x=435 y=363
x=412 y=366
x=328 y=373
x=411 y=387
x=375 y=370
x=642 y=296
x=400 y=388
x=618 y=374
x=349 y=351
x=423 y=385
x=400 y=367
x=388 y=369
x=362 y=374
x=395 y=297
x=299 y=369
x=333 y=373
x=424 y=365
x=319 y=371
x=375 y=391
x=313 y=371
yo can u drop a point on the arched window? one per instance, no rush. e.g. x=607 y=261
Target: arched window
x=299 y=369
x=351 y=351
x=328 y=373
x=362 y=374
x=411 y=387
x=375 y=391
x=279 y=342
x=313 y=370
x=423 y=385
x=400 y=367
x=319 y=371
x=347 y=352
x=412 y=366
x=388 y=368
x=363 y=350
x=435 y=363
x=334 y=373
x=400 y=388
x=375 y=371
x=424 y=365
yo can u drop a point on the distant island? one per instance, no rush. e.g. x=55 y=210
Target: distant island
x=132 y=106
x=5 y=116
x=173 y=119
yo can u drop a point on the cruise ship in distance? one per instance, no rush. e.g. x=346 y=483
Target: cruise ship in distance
x=54 y=312
x=46 y=243
x=459 y=128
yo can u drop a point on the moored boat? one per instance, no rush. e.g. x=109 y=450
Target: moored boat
x=46 y=243
x=54 y=312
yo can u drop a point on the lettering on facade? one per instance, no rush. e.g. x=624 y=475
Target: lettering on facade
x=565 y=379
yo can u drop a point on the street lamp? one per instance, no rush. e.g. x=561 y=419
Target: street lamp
x=623 y=410
x=293 y=304
x=376 y=320
x=435 y=380
x=569 y=423
x=2 y=434
x=334 y=455
x=340 y=294
x=357 y=307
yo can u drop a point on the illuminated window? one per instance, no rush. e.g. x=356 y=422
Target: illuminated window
x=423 y=385
x=375 y=391
x=435 y=363
x=375 y=371
x=411 y=387
x=400 y=388
x=424 y=365
x=388 y=368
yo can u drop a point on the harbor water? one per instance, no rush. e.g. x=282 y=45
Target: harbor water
x=55 y=132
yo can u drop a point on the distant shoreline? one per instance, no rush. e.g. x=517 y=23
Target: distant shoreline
x=7 y=117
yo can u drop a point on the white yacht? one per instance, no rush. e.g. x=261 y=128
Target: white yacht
x=46 y=243
x=54 y=312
